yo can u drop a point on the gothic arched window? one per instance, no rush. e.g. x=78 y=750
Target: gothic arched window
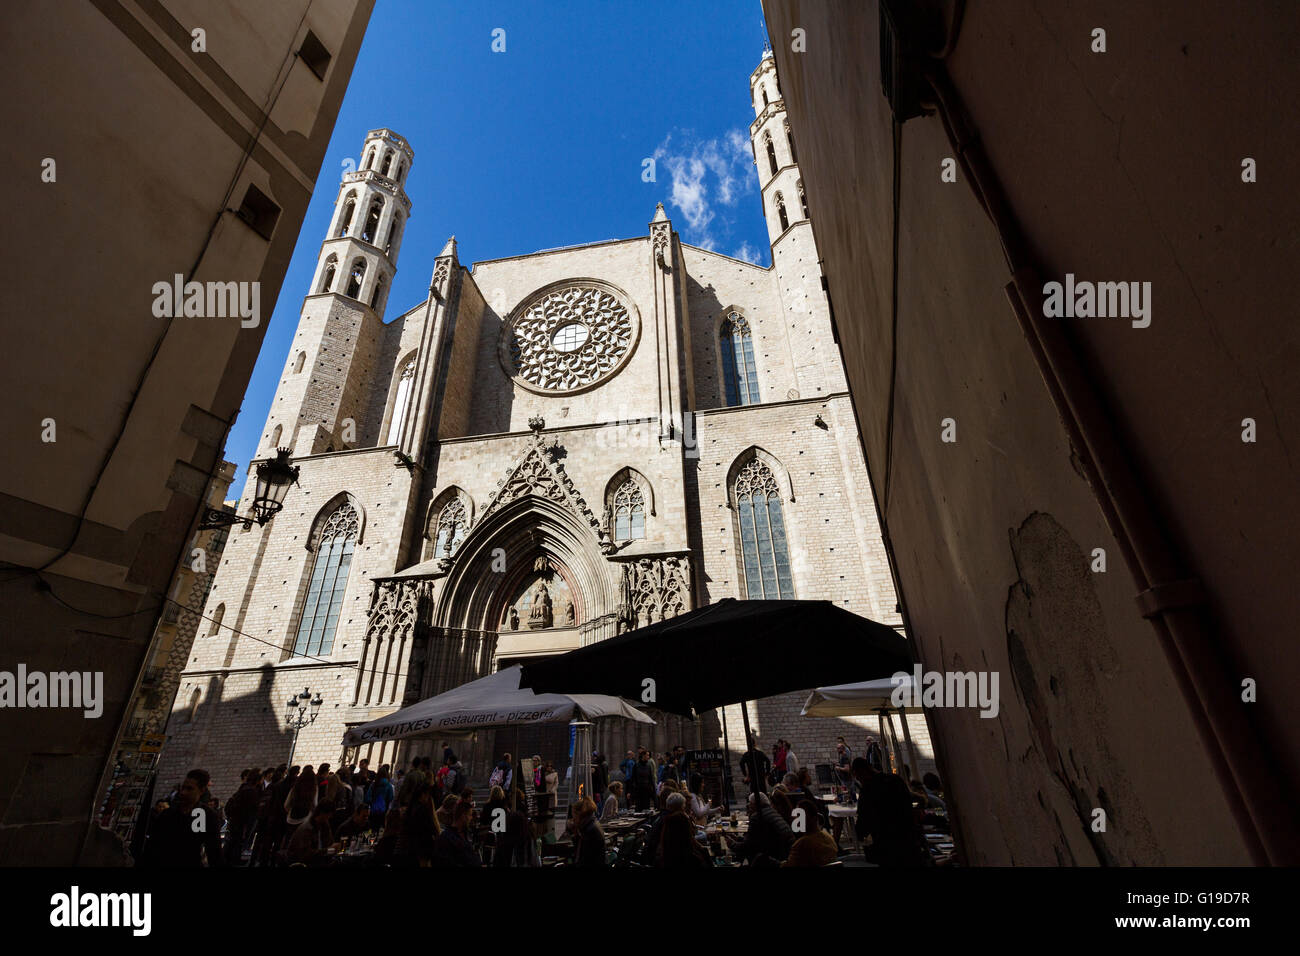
x=355 y=278
x=370 y=158
x=193 y=710
x=789 y=138
x=780 y=212
x=451 y=529
x=629 y=512
x=300 y=362
x=402 y=400
x=329 y=579
x=371 y=228
x=327 y=280
x=388 y=161
x=397 y=173
x=374 y=298
x=217 y=615
x=740 y=378
x=766 y=564
x=275 y=436
x=803 y=201
x=349 y=210
x=763 y=89
x=771 y=151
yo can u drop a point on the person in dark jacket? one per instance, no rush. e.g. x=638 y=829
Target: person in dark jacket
x=454 y=846
x=419 y=829
x=599 y=778
x=885 y=814
x=241 y=813
x=516 y=846
x=755 y=767
x=589 y=838
x=186 y=831
x=678 y=848
x=643 y=783
x=769 y=838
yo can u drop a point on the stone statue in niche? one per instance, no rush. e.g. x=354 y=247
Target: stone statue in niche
x=513 y=618
x=540 y=616
x=569 y=617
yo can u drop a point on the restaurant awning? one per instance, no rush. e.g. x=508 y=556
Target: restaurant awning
x=493 y=701
x=728 y=652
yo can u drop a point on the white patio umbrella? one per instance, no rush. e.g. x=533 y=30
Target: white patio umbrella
x=492 y=701
x=861 y=700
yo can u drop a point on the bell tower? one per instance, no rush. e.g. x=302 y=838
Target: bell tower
x=321 y=398
x=817 y=366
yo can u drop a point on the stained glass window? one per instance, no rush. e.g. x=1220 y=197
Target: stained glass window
x=329 y=579
x=629 y=512
x=740 y=379
x=762 y=534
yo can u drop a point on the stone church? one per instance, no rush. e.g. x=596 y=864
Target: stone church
x=548 y=450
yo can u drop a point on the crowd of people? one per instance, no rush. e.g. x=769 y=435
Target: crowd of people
x=427 y=816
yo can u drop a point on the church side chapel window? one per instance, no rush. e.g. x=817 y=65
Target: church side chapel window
x=780 y=211
x=451 y=529
x=762 y=534
x=329 y=579
x=349 y=210
x=371 y=227
x=629 y=512
x=739 y=376
x=771 y=150
x=355 y=278
x=400 y=402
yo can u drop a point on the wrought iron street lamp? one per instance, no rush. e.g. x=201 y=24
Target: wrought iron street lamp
x=301 y=710
x=274 y=476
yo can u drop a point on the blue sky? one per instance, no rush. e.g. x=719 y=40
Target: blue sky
x=542 y=145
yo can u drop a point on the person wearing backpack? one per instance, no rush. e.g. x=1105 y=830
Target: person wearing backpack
x=380 y=797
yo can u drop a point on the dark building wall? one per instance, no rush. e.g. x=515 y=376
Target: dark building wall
x=155 y=144
x=1117 y=166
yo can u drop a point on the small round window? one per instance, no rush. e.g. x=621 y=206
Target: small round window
x=569 y=338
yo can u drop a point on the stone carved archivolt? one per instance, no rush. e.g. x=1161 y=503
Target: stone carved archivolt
x=655 y=589
x=540 y=475
x=569 y=338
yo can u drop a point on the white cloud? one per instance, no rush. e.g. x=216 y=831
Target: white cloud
x=746 y=252
x=707 y=178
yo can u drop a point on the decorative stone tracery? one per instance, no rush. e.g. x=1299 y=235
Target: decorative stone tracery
x=569 y=338
x=655 y=589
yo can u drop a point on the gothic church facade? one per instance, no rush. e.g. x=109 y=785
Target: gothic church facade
x=548 y=450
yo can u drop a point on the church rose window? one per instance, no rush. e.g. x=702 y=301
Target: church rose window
x=569 y=338
x=329 y=579
x=762 y=534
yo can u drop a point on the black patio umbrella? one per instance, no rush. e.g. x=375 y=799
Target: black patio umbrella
x=728 y=652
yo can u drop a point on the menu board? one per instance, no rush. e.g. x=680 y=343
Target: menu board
x=711 y=766
x=526 y=770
